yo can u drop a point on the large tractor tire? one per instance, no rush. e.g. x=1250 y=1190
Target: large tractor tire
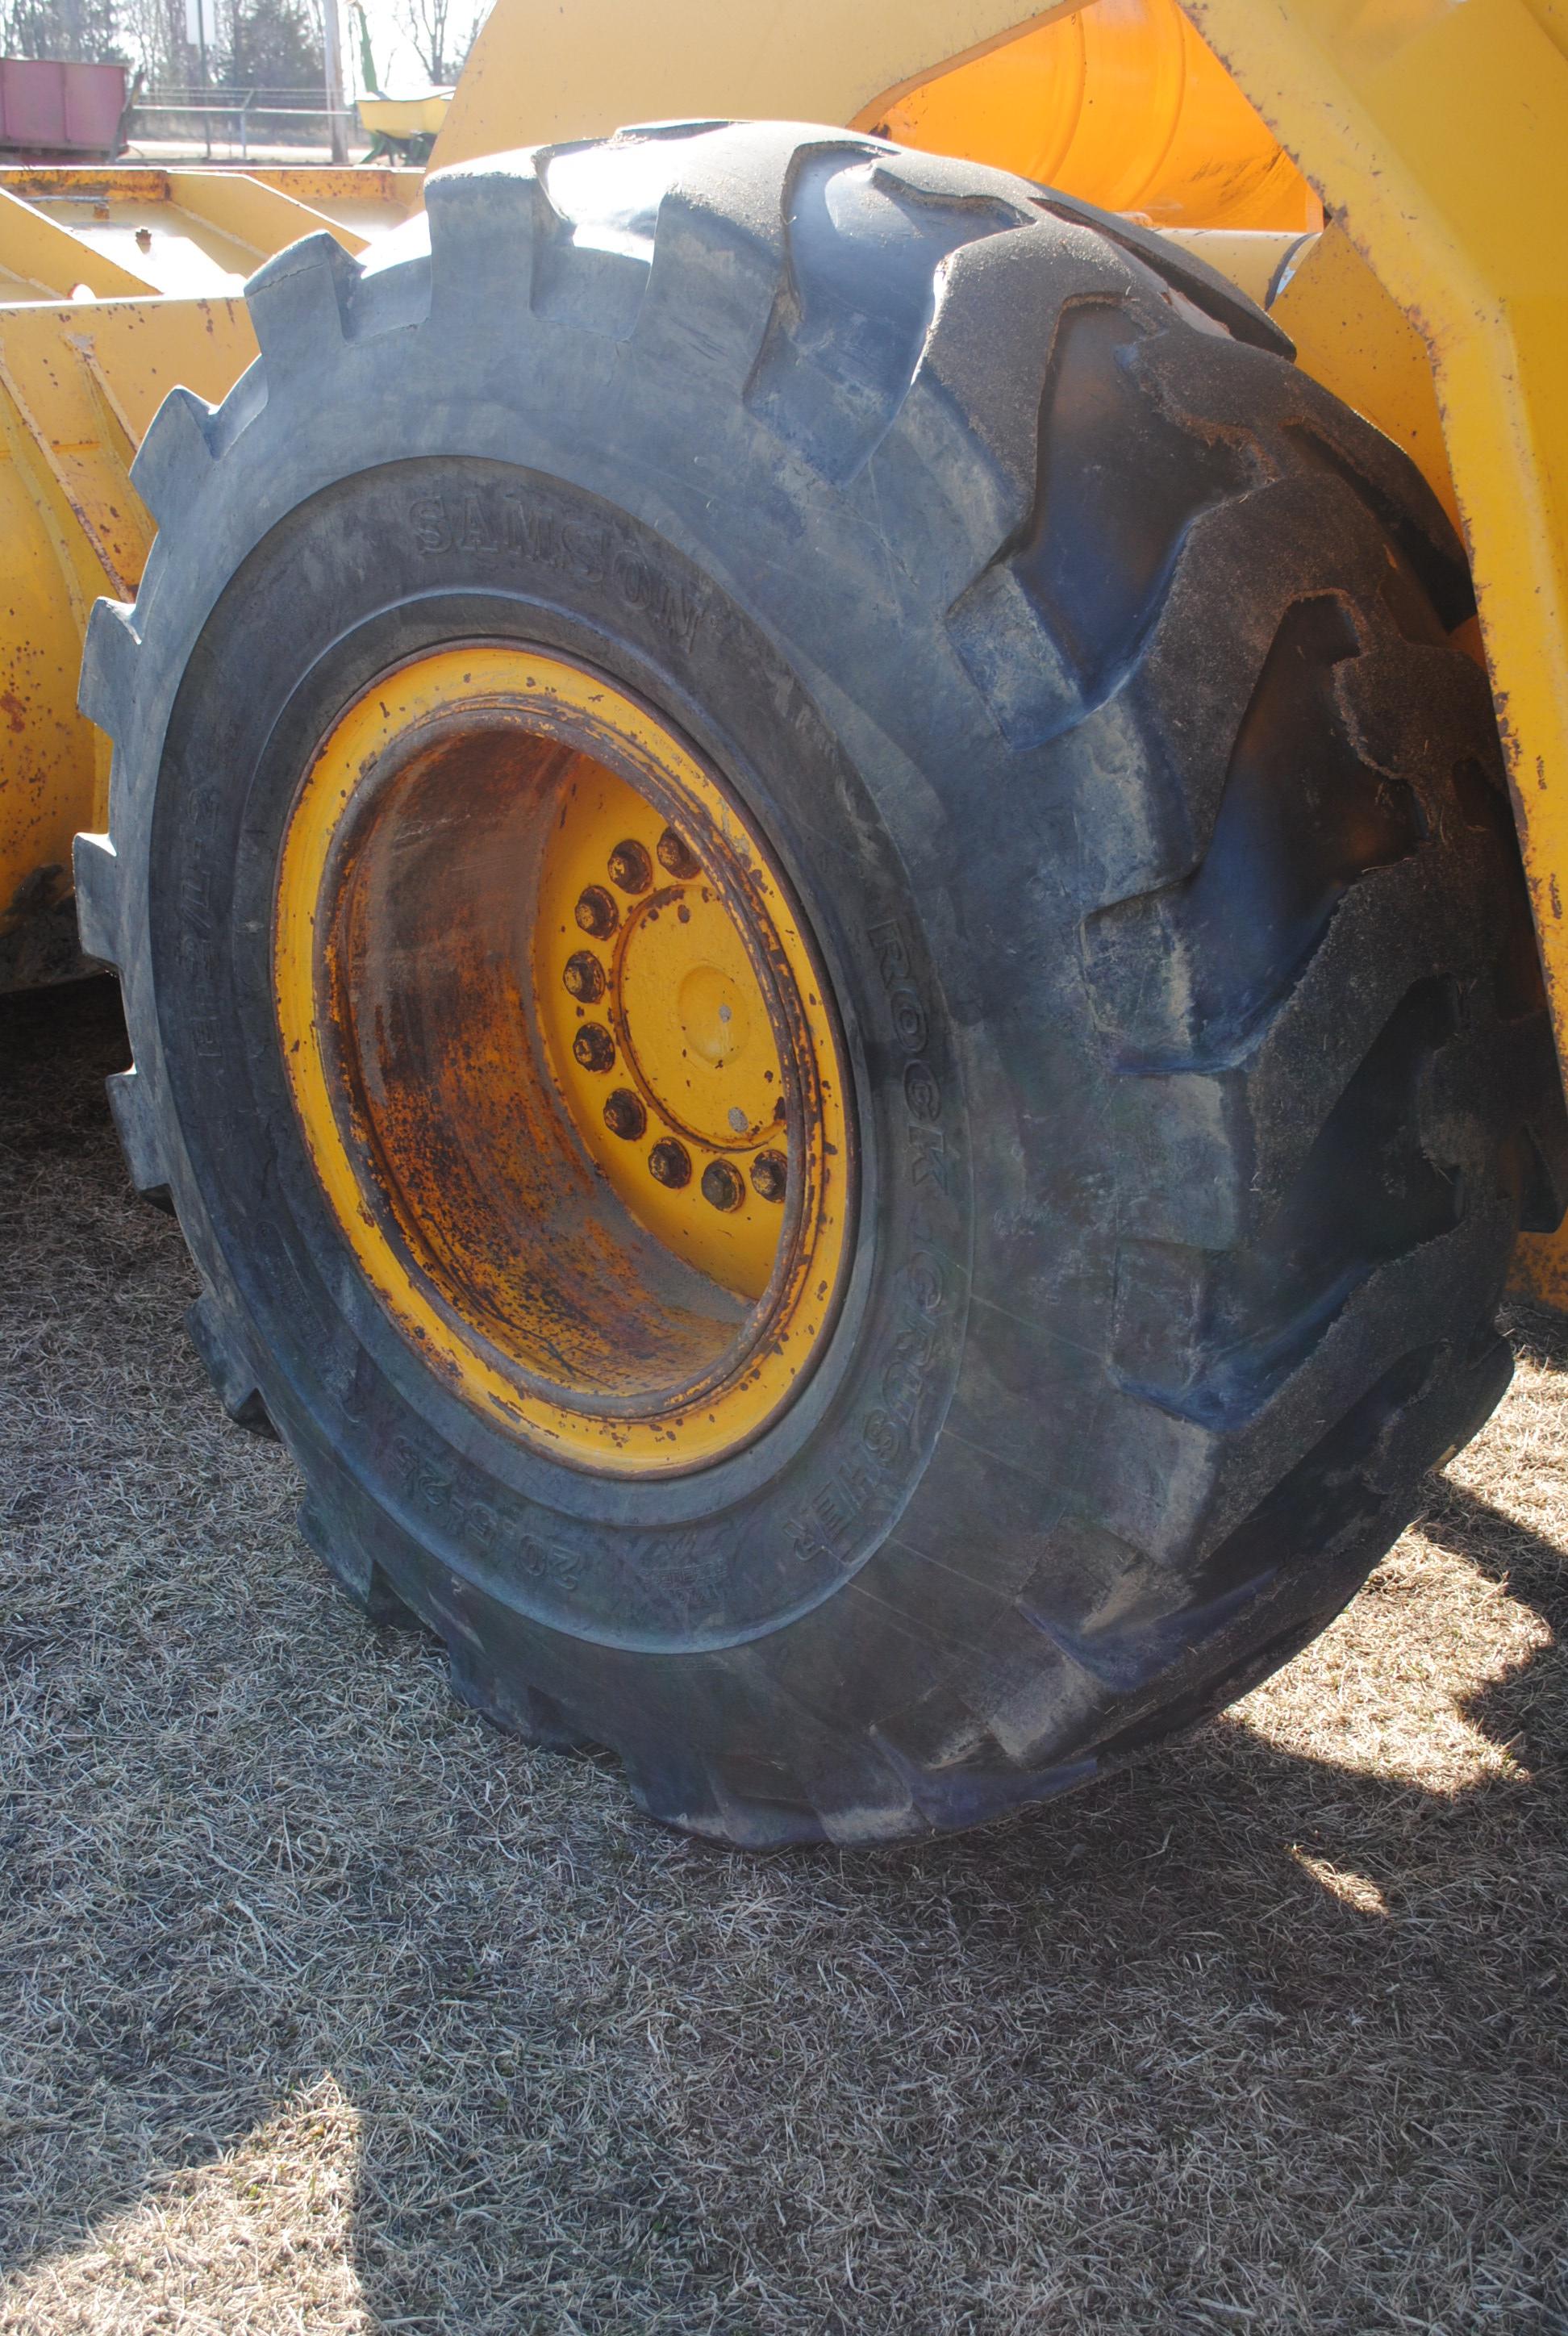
x=824 y=952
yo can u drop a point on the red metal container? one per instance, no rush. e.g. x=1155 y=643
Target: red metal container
x=50 y=110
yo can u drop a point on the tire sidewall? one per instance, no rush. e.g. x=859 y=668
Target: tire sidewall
x=341 y=590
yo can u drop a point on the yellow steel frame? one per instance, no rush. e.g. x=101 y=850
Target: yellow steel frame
x=88 y=350
x=1119 y=101
x=78 y=386
x=591 y=67
x=1438 y=135
x=1057 y=103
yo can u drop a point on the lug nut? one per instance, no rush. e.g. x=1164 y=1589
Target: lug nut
x=596 y=913
x=676 y=855
x=631 y=867
x=667 y=1164
x=770 y=1175
x=584 y=977
x=721 y=1185
x=594 y=1047
x=623 y=1115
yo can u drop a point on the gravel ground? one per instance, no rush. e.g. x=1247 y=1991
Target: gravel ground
x=324 y=2009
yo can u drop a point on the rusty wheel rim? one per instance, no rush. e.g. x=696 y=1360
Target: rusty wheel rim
x=563 y=1059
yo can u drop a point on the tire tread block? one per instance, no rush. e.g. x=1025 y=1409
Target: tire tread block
x=223 y=1358
x=505 y=1699
x=300 y=301
x=174 y=459
x=361 y=1578
x=96 y=866
x=136 y=1124
x=106 y=692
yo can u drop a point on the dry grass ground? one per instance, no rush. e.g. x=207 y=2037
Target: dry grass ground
x=322 y=2009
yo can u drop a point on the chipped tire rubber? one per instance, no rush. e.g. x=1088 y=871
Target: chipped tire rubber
x=1088 y=668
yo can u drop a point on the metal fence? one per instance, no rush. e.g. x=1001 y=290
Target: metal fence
x=229 y=121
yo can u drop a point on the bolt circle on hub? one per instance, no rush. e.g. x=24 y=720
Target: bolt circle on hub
x=630 y=866
x=583 y=977
x=669 y=1163
x=638 y=1281
x=596 y=913
x=721 y=1185
x=623 y=1116
x=770 y=1175
x=594 y=1047
x=676 y=856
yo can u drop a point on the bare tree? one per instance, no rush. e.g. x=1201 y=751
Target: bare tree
x=82 y=31
x=154 y=33
x=442 y=32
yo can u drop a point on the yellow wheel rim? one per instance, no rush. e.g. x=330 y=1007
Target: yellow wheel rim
x=563 y=1059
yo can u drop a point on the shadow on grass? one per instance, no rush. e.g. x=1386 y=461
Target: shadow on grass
x=1240 y=2038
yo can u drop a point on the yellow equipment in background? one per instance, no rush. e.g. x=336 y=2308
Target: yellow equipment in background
x=405 y=117
x=403 y=130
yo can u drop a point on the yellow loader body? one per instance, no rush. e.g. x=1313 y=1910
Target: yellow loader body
x=115 y=284
x=1434 y=134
